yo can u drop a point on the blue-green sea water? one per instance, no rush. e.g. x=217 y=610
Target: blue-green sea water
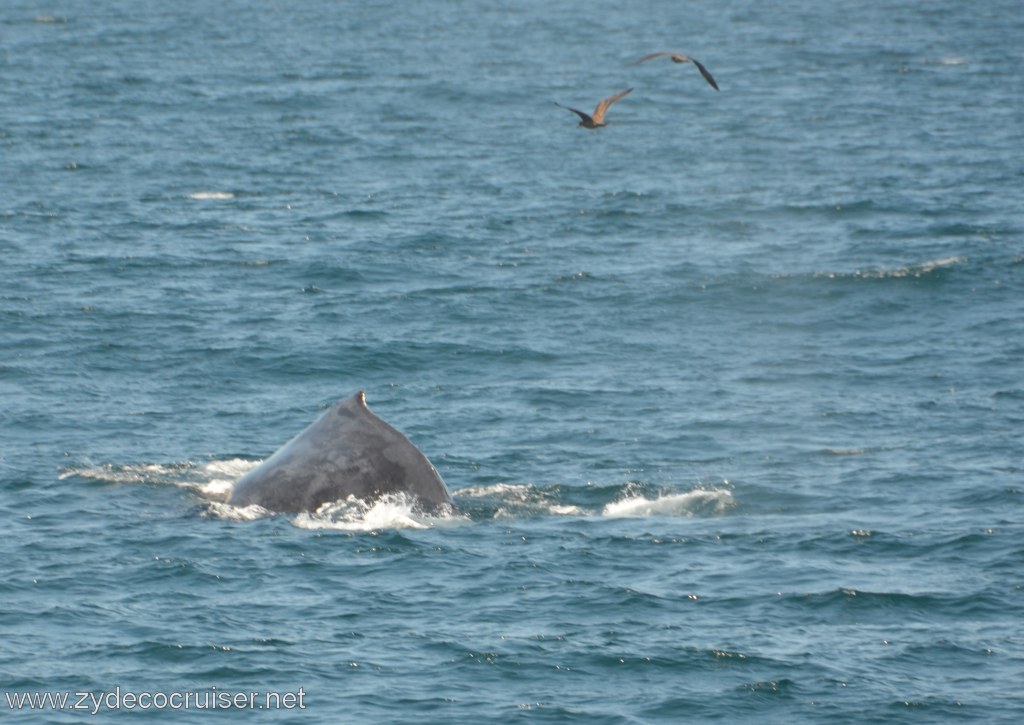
x=729 y=393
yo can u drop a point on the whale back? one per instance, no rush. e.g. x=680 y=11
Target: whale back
x=347 y=451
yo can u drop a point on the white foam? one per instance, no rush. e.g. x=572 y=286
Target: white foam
x=518 y=499
x=225 y=511
x=678 y=504
x=233 y=467
x=507 y=491
x=934 y=264
x=913 y=270
x=211 y=195
x=563 y=510
x=212 y=480
x=396 y=511
x=221 y=477
x=137 y=473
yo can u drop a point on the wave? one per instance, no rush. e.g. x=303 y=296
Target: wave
x=922 y=269
x=930 y=605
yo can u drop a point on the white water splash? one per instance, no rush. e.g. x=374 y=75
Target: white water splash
x=212 y=480
x=516 y=500
x=140 y=473
x=394 y=511
x=222 y=477
x=678 y=504
x=211 y=195
x=517 y=491
x=220 y=510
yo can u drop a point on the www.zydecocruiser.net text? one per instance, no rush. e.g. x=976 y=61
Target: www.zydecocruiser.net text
x=122 y=699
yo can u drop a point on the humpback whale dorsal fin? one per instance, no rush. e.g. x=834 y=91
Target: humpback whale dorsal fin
x=347 y=452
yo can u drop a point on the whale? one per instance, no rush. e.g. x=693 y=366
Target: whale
x=347 y=452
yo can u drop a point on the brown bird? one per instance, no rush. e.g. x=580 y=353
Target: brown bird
x=597 y=119
x=680 y=58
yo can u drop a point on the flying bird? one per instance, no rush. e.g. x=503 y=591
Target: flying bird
x=680 y=58
x=588 y=121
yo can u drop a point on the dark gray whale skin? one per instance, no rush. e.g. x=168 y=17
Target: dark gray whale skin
x=347 y=451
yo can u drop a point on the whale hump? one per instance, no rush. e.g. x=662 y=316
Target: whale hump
x=347 y=451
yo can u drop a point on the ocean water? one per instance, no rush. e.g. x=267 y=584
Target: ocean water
x=729 y=393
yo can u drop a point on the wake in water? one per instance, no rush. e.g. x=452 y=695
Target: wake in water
x=914 y=270
x=714 y=501
x=212 y=482
x=515 y=501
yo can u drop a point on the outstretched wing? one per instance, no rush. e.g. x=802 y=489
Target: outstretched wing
x=584 y=116
x=704 y=72
x=682 y=58
x=655 y=55
x=602 y=107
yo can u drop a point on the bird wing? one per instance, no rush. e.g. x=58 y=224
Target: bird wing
x=653 y=55
x=602 y=107
x=581 y=114
x=704 y=72
x=683 y=58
